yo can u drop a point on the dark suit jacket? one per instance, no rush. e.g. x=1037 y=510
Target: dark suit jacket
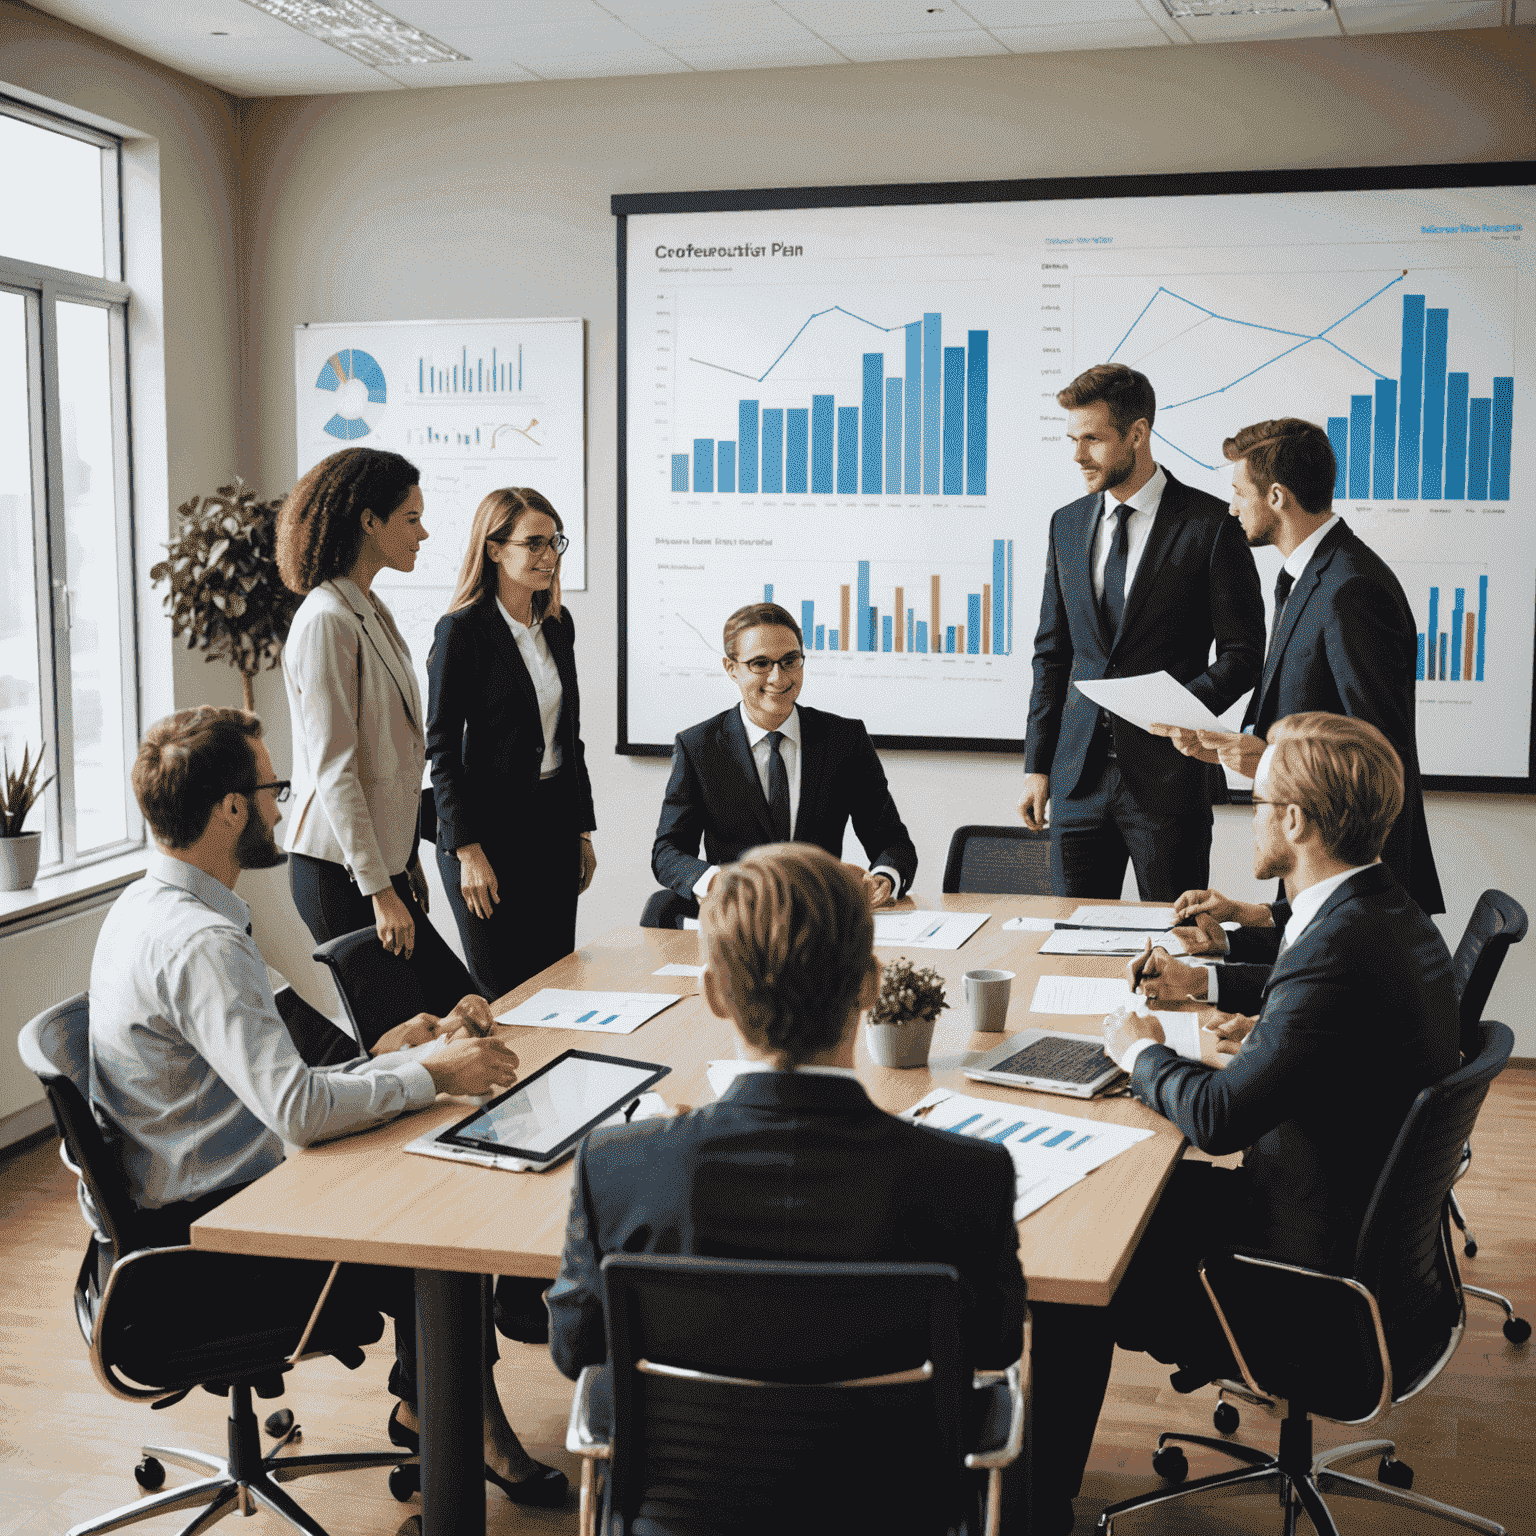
x=485 y=740
x=1348 y=644
x=1196 y=584
x=714 y=793
x=1355 y=1018
x=789 y=1165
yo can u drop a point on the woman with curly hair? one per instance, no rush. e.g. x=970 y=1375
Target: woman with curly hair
x=514 y=803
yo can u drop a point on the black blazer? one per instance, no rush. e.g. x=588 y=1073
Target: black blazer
x=790 y=1165
x=1196 y=584
x=1355 y=1018
x=1348 y=644
x=714 y=793
x=484 y=737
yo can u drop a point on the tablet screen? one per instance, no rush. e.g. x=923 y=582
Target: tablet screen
x=554 y=1108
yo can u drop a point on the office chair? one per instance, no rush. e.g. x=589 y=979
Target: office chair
x=757 y=1396
x=1345 y=1348
x=666 y=909
x=999 y=861
x=144 y=1313
x=379 y=990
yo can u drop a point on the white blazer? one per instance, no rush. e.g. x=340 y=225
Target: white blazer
x=359 y=753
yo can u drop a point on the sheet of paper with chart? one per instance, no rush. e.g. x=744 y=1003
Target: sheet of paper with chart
x=603 y=1013
x=476 y=405
x=1051 y=1152
x=927 y=930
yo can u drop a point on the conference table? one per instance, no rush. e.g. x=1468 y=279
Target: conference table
x=362 y=1199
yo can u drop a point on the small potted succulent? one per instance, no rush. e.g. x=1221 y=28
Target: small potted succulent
x=19 y=791
x=899 y=1028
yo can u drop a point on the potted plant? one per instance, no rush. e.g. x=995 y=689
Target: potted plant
x=19 y=791
x=899 y=1028
x=225 y=594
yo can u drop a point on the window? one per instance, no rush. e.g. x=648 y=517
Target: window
x=68 y=679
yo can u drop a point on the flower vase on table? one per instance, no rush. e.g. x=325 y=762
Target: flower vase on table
x=899 y=1028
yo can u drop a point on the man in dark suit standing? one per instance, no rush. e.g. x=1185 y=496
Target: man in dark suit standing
x=793 y=1161
x=1357 y=1015
x=1343 y=639
x=770 y=771
x=1144 y=575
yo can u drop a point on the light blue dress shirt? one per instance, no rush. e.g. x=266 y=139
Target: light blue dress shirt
x=193 y=1071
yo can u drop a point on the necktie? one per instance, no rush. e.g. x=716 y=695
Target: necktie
x=778 y=788
x=1114 y=571
x=1283 y=584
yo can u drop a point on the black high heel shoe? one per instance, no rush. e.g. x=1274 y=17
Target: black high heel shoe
x=406 y=1439
x=544 y=1488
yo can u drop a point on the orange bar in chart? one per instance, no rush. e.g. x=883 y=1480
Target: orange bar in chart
x=960 y=639
x=900 y=624
x=935 y=633
x=844 y=626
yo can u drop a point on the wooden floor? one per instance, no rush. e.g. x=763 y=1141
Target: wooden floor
x=67 y=1448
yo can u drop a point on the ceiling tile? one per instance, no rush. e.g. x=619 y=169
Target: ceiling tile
x=1131 y=34
x=472 y=71
x=1047 y=13
x=760 y=55
x=719 y=26
x=597 y=33
x=1248 y=29
x=1360 y=17
x=848 y=18
x=591 y=66
x=971 y=44
x=428 y=14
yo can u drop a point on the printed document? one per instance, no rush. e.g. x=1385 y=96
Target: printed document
x=1154 y=698
x=927 y=930
x=604 y=1013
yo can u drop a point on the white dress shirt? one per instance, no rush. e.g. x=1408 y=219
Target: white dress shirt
x=1138 y=525
x=534 y=649
x=806 y=1069
x=190 y=1060
x=1301 y=557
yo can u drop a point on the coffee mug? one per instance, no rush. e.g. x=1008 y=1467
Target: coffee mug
x=986 y=999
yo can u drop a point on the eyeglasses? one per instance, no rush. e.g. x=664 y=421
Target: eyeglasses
x=761 y=666
x=281 y=789
x=537 y=546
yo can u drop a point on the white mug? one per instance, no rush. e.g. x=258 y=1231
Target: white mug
x=986 y=999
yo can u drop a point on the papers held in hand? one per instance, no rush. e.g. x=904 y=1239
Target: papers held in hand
x=1154 y=698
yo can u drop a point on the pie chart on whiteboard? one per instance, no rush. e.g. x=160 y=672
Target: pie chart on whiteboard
x=357 y=383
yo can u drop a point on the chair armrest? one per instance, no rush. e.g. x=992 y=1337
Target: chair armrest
x=1001 y=1433
x=582 y=1436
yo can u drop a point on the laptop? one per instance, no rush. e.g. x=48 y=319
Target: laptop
x=1049 y=1061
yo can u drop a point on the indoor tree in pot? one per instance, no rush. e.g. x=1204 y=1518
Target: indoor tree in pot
x=19 y=792
x=225 y=594
x=899 y=1028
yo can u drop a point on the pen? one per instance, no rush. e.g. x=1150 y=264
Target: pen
x=1138 y=965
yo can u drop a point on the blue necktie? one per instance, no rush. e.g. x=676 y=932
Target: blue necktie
x=1114 y=571
x=778 y=788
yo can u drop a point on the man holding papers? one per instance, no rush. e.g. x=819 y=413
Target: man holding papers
x=1358 y=1014
x=1145 y=575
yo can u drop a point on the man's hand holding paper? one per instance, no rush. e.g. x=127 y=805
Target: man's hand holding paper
x=1148 y=700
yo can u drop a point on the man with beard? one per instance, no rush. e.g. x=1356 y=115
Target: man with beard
x=1144 y=575
x=195 y=1080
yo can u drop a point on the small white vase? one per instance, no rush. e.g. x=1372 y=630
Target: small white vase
x=18 y=860
x=900 y=1045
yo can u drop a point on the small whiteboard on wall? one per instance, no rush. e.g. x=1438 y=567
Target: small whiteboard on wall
x=475 y=405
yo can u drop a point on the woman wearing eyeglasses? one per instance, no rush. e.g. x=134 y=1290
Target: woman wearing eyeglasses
x=509 y=773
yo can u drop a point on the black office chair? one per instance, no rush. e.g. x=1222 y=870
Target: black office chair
x=666 y=909
x=150 y=1317
x=757 y=1396
x=1345 y=1348
x=999 y=861
x=379 y=990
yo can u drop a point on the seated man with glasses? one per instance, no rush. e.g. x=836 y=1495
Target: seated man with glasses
x=771 y=771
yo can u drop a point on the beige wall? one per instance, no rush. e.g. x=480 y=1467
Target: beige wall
x=349 y=199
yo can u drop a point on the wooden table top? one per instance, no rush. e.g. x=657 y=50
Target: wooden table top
x=362 y=1199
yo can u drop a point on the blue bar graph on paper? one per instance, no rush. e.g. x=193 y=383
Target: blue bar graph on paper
x=725 y=457
x=1338 y=436
x=874 y=417
x=807 y=621
x=746 y=438
x=767 y=591
x=1482 y=622
x=976 y=414
x=893 y=437
x=1018 y=1125
x=773 y=453
x=933 y=395
x=1039 y=1130
x=1057 y=1139
x=874 y=627
x=1479 y=424
x=1503 y=437
x=704 y=464
x=1456 y=391
x=1419 y=675
x=949 y=639
x=969 y=1120
x=1444 y=641
x=823 y=430
x=847 y=450
x=797 y=449
x=954 y=420
x=1360 y=446
x=1432 y=449
x=679 y=471
x=821 y=637
x=973 y=624
x=861 y=630
x=1410 y=397
x=832 y=640
x=1433 y=631
x=1458 y=613
x=1000 y=647
x=584 y=1018
x=887 y=633
x=1384 y=448
x=912 y=477
x=910 y=636
x=921 y=647
x=1081 y=1141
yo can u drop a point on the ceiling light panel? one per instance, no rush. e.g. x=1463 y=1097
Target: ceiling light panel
x=361 y=29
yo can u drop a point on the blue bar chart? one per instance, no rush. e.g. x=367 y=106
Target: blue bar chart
x=1453 y=645
x=496 y=371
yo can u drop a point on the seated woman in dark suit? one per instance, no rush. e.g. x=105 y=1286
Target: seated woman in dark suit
x=509 y=772
x=769 y=770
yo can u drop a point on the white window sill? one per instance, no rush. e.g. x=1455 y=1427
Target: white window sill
x=84 y=885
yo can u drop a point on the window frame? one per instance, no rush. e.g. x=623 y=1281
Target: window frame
x=43 y=288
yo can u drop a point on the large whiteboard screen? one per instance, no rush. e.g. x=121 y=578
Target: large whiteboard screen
x=476 y=405
x=851 y=409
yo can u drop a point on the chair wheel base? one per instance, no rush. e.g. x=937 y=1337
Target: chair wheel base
x=1517 y=1330
x=279 y=1423
x=1394 y=1473
x=1225 y=1419
x=149 y=1474
x=404 y=1482
x=1170 y=1464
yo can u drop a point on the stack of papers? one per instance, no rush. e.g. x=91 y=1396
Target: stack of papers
x=927 y=930
x=1140 y=918
x=604 y=1013
x=1108 y=941
x=1050 y=1152
x=1031 y=924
